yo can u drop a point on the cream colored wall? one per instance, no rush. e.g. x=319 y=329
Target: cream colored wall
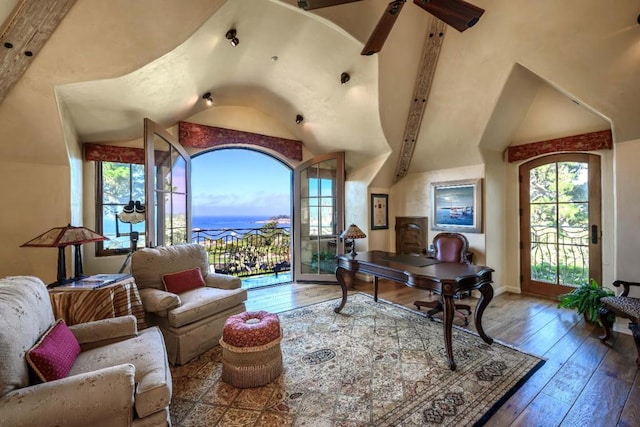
x=627 y=209
x=35 y=199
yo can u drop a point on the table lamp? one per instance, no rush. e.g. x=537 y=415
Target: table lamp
x=61 y=237
x=353 y=232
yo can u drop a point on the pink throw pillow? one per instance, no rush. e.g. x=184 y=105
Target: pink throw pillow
x=55 y=353
x=183 y=281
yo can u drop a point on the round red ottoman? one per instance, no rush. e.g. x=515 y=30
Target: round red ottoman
x=251 y=355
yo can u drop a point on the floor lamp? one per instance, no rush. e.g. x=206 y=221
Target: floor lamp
x=61 y=237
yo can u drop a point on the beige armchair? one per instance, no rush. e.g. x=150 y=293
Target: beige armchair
x=191 y=321
x=120 y=378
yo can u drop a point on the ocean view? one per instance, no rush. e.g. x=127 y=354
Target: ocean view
x=236 y=222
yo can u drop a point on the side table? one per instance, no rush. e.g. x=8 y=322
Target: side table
x=75 y=303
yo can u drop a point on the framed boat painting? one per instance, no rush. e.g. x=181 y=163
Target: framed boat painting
x=457 y=206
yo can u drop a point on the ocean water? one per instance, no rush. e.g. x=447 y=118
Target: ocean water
x=235 y=222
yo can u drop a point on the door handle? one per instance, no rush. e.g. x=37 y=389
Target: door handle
x=594 y=234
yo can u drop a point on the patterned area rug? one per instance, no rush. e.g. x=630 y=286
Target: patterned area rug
x=374 y=364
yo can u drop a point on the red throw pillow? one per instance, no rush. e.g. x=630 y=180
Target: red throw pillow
x=183 y=281
x=55 y=353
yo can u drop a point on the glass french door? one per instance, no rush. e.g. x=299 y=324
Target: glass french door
x=318 y=217
x=560 y=201
x=167 y=187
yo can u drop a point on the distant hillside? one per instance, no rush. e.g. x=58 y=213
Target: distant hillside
x=280 y=219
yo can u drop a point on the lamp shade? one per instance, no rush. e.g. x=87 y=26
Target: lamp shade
x=353 y=232
x=60 y=237
x=64 y=236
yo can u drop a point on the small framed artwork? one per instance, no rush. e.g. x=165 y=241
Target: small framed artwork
x=379 y=211
x=457 y=206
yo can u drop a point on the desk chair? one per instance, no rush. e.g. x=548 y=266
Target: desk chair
x=449 y=247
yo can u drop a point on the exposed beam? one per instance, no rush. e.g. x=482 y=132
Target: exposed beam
x=426 y=71
x=24 y=34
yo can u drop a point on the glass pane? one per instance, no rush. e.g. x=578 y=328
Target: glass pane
x=543 y=223
x=116 y=183
x=326 y=221
x=326 y=201
x=178 y=173
x=176 y=219
x=313 y=187
x=304 y=183
x=574 y=265
x=542 y=184
x=573 y=182
x=137 y=183
x=162 y=153
x=314 y=221
x=326 y=258
x=544 y=267
x=304 y=217
x=307 y=251
x=574 y=223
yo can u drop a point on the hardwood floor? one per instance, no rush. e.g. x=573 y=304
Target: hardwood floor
x=583 y=382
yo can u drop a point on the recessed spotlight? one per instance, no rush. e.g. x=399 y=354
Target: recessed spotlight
x=299 y=118
x=274 y=58
x=344 y=78
x=232 y=37
x=207 y=99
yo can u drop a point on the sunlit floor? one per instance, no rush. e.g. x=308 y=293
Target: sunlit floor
x=266 y=280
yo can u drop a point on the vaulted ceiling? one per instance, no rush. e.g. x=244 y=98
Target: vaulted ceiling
x=109 y=64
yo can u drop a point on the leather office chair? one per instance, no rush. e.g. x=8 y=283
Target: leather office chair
x=449 y=247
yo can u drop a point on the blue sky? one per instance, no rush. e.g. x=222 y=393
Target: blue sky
x=239 y=182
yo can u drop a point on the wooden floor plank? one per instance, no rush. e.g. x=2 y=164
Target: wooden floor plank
x=543 y=411
x=631 y=412
x=600 y=404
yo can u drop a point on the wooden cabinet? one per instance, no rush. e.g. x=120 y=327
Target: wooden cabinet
x=411 y=235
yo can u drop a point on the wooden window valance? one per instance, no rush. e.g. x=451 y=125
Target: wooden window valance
x=601 y=140
x=112 y=153
x=195 y=135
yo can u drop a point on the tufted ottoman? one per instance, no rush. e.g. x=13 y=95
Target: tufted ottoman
x=251 y=355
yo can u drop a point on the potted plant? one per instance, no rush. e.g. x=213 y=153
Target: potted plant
x=585 y=299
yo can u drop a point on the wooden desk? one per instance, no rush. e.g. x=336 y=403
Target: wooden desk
x=444 y=278
x=85 y=305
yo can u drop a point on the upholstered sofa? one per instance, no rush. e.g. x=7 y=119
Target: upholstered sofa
x=120 y=377
x=191 y=321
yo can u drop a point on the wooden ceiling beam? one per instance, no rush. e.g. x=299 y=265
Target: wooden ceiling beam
x=422 y=88
x=23 y=36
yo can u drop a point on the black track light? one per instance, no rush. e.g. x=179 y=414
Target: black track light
x=207 y=99
x=232 y=37
x=299 y=119
x=344 y=78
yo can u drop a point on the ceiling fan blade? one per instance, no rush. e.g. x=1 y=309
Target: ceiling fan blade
x=382 y=30
x=457 y=13
x=317 y=4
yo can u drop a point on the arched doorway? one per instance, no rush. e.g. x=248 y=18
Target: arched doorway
x=560 y=223
x=241 y=210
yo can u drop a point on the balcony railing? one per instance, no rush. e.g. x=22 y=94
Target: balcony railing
x=245 y=252
x=560 y=256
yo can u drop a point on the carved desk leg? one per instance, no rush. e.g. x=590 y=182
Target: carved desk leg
x=486 y=295
x=449 y=308
x=345 y=278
